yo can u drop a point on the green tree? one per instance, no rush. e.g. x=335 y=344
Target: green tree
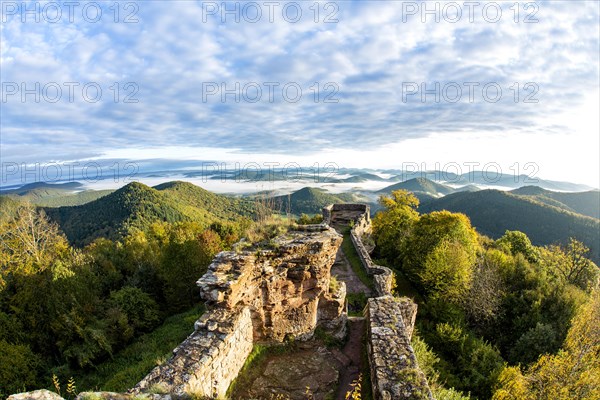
x=475 y=364
x=440 y=253
x=19 y=368
x=393 y=225
x=540 y=339
x=447 y=271
x=516 y=242
x=184 y=260
x=573 y=373
x=140 y=309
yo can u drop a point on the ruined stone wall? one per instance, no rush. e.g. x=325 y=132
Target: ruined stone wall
x=394 y=370
x=383 y=277
x=208 y=361
x=342 y=214
x=286 y=286
x=390 y=322
x=254 y=295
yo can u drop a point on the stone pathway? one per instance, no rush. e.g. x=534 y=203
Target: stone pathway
x=356 y=325
x=353 y=352
x=344 y=273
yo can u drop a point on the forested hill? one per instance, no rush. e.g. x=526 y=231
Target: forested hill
x=136 y=206
x=44 y=194
x=310 y=200
x=425 y=189
x=493 y=212
x=419 y=185
x=586 y=203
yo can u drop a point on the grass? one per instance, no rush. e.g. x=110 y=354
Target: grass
x=354 y=259
x=264 y=230
x=134 y=362
x=329 y=340
x=334 y=284
x=356 y=303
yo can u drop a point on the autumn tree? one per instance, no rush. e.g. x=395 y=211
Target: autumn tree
x=29 y=243
x=575 y=267
x=573 y=373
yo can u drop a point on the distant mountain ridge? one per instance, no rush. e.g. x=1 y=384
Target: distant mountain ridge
x=487 y=179
x=67 y=186
x=54 y=194
x=425 y=189
x=311 y=200
x=493 y=212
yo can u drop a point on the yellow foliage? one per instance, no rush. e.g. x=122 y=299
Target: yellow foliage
x=573 y=373
x=355 y=393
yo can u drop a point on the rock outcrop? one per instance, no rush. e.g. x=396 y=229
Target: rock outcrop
x=285 y=286
x=42 y=394
x=255 y=295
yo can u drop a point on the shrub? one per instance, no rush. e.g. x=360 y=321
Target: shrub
x=305 y=219
x=137 y=306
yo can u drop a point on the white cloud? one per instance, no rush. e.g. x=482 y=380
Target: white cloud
x=369 y=53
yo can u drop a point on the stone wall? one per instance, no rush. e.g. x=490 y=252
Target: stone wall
x=394 y=370
x=390 y=322
x=254 y=295
x=208 y=360
x=383 y=277
x=358 y=216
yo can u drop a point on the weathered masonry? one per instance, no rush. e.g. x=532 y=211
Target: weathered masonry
x=254 y=296
x=390 y=321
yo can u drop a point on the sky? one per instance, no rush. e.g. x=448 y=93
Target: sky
x=365 y=84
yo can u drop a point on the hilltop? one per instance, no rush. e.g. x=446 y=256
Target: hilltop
x=493 y=212
x=136 y=206
x=310 y=200
x=54 y=194
x=585 y=203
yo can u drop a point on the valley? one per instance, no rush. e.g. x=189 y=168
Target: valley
x=147 y=245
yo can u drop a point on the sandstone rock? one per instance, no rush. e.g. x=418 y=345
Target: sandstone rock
x=42 y=394
x=254 y=295
x=102 y=396
x=120 y=396
x=286 y=287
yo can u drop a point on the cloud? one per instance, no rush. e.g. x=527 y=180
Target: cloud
x=175 y=48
